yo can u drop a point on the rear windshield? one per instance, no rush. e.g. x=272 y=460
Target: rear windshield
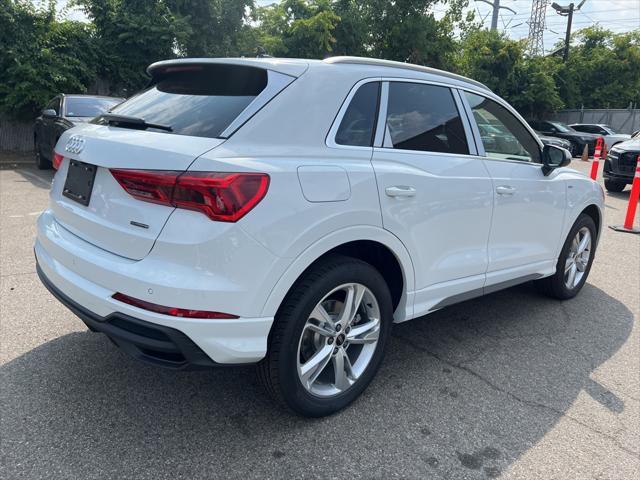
x=88 y=106
x=197 y=100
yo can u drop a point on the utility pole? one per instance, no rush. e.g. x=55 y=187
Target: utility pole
x=496 y=10
x=567 y=11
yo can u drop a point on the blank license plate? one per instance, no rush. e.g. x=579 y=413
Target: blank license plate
x=79 y=182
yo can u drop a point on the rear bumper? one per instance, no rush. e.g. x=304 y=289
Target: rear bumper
x=160 y=339
x=146 y=341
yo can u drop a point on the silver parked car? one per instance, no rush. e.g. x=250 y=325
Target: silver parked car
x=611 y=137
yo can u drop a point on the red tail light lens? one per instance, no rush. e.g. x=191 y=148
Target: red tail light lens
x=56 y=160
x=174 y=312
x=148 y=185
x=220 y=196
x=223 y=197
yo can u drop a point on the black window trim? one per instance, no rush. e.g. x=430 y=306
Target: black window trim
x=382 y=121
x=510 y=109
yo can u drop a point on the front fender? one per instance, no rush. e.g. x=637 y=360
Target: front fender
x=360 y=232
x=582 y=192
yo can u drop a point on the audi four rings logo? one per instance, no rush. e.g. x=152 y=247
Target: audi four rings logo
x=74 y=144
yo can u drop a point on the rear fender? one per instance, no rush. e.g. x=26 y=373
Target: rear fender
x=333 y=240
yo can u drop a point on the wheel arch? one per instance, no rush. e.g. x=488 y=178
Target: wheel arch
x=594 y=212
x=373 y=245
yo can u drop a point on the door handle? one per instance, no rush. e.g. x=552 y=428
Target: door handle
x=505 y=190
x=400 y=191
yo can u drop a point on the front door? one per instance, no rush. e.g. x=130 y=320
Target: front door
x=435 y=192
x=529 y=207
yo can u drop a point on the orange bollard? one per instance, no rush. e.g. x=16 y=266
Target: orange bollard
x=596 y=158
x=633 y=204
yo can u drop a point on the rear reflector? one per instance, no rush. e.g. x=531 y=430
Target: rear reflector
x=223 y=197
x=174 y=312
x=56 y=160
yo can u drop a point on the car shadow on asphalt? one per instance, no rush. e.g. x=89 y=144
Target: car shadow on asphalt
x=462 y=393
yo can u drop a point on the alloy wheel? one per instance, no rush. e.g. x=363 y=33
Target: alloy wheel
x=338 y=340
x=577 y=258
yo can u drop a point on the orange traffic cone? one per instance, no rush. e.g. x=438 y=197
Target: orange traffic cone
x=585 y=154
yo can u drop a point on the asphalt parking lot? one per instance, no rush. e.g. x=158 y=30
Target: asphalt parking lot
x=512 y=385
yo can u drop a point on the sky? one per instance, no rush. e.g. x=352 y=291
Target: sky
x=616 y=15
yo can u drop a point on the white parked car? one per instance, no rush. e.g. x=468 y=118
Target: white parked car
x=287 y=212
x=610 y=136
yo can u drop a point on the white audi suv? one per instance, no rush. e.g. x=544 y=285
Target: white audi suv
x=287 y=212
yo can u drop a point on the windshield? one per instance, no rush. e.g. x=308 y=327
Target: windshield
x=609 y=129
x=88 y=106
x=562 y=127
x=197 y=100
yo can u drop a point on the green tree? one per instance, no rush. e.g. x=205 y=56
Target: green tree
x=41 y=57
x=297 y=28
x=132 y=35
x=603 y=69
x=527 y=83
x=212 y=27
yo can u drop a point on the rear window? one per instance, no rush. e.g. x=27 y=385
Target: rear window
x=88 y=106
x=197 y=100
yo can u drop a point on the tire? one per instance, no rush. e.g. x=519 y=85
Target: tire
x=41 y=162
x=281 y=372
x=613 y=186
x=556 y=286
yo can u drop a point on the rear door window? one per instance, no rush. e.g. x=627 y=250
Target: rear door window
x=357 y=127
x=424 y=117
x=197 y=100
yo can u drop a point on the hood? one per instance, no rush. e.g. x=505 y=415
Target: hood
x=629 y=145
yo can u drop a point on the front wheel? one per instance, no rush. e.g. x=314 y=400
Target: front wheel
x=613 y=186
x=329 y=337
x=574 y=263
x=41 y=162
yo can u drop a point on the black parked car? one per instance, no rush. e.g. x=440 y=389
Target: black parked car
x=561 y=130
x=62 y=113
x=620 y=165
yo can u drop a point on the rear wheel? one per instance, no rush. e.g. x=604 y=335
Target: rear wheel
x=613 y=186
x=574 y=263
x=328 y=338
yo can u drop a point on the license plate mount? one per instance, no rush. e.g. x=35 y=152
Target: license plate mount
x=79 y=183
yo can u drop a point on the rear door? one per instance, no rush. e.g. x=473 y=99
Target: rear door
x=529 y=207
x=198 y=103
x=435 y=192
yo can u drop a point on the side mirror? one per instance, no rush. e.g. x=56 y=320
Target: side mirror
x=49 y=113
x=554 y=157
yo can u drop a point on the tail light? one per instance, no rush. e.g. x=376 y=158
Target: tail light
x=173 y=311
x=56 y=160
x=223 y=197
